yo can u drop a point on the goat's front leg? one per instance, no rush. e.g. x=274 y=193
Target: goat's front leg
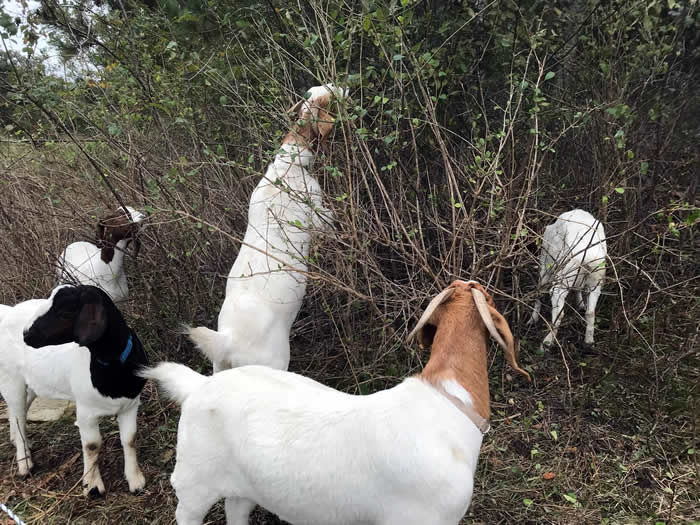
x=127 y=434
x=558 y=301
x=92 y=442
x=238 y=510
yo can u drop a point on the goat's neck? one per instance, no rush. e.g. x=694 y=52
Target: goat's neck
x=293 y=154
x=119 y=250
x=459 y=354
x=117 y=255
x=110 y=346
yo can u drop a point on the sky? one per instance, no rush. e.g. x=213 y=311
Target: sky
x=52 y=59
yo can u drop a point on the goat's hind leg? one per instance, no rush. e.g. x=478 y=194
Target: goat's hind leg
x=559 y=294
x=127 y=433
x=593 y=297
x=15 y=393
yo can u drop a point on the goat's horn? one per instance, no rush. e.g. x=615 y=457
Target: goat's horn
x=437 y=301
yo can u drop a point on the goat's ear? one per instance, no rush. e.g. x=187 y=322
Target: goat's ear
x=100 y=235
x=137 y=247
x=325 y=125
x=511 y=347
x=499 y=329
x=425 y=329
x=90 y=323
x=295 y=107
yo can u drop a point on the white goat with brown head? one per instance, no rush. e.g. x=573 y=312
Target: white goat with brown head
x=102 y=264
x=267 y=283
x=313 y=455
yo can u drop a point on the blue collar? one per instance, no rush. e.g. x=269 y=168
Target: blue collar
x=127 y=350
x=125 y=353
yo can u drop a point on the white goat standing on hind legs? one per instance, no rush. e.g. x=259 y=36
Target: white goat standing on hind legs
x=267 y=282
x=572 y=257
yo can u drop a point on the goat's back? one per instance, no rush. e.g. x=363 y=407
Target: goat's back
x=575 y=239
x=315 y=455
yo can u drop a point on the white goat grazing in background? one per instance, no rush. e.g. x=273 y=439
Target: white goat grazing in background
x=314 y=455
x=267 y=283
x=572 y=257
x=102 y=264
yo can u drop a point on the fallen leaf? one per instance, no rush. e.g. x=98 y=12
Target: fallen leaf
x=549 y=475
x=167 y=455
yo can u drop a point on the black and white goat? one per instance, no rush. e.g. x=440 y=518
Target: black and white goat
x=74 y=345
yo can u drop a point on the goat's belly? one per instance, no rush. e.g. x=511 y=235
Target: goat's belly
x=367 y=503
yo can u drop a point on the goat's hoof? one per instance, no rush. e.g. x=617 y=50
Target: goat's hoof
x=137 y=483
x=95 y=493
x=588 y=347
x=24 y=467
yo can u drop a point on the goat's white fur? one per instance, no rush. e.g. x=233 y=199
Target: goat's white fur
x=267 y=283
x=313 y=455
x=572 y=257
x=80 y=263
x=60 y=372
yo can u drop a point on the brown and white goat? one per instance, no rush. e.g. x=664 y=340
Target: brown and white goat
x=313 y=455
x=102 y=264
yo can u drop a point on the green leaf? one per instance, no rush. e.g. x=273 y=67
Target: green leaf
x=113 y=129
x=397 y=57
x=527 y=502
x=554 y=435
x=620 y=190
x=644 y=167
x=549 y=75
x=571 y=498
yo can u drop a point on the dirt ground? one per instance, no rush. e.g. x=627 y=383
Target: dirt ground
x=604 y=436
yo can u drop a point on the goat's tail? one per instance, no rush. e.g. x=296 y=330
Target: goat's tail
x=215 y=345
x=177 y=380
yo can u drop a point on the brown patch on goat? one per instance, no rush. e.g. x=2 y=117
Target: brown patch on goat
x=459 y=339
x=314 y=125
x=112 y=229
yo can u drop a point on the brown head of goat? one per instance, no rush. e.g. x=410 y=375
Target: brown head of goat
x=456 y=324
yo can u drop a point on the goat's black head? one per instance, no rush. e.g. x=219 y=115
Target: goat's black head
x=72 y=314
